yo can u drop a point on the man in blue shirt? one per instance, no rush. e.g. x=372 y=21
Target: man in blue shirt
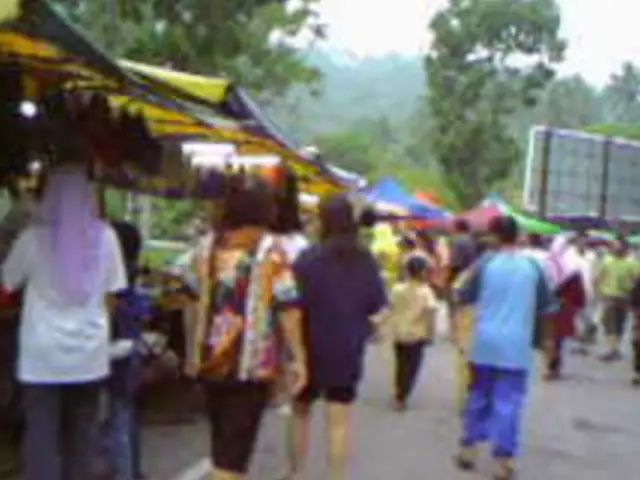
x=509 y=292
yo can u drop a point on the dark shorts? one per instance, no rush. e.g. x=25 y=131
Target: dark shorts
x=344 y=395
x=614 y=319
x=235 y=410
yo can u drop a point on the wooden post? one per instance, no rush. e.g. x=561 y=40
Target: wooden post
x=543 y=191
x=604 y=184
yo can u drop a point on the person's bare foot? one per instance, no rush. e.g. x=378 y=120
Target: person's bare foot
x=399 y=405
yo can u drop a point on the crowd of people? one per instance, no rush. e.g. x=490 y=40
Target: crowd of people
x=283 y=316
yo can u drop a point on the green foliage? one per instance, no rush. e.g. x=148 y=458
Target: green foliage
x=622 y=95
x=375 y=149
x=489 y=59
x=350 y=149
x=248 y=41
x=172 y=218
x=619 y=130
x=352 y=91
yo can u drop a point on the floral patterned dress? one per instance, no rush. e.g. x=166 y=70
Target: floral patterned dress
x=246 y=292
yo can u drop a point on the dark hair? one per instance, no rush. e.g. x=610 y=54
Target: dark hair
x=131 y=245
x=535 y=240
x=416 y=267
x=248 y=202
x=339 y=230
x=461 y=225
x=505 y=229
x=286 y=218
x=408 y=242
x=368 y=218
x=337 y=218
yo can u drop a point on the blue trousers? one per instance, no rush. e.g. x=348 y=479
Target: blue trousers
x=122 y=439
x=493 y=409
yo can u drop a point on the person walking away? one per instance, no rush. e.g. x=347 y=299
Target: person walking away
x=563 y=268
x=410 y=315
x=341 y=289
x=509 y=291
x=614 y=280
x=248 y=303
x=287 y=227
x=132 y=309
x=634 y=302
x=409 y=248
x=17 y=218
x=587 y=322
x=385 y=248
x=464 y=252
x=534 y=247
x=69 y=261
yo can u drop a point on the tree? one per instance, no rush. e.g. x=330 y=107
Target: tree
x=570 y=103
x=489 y=59
x=247 y=41
x=350 y=149
x=622 y=95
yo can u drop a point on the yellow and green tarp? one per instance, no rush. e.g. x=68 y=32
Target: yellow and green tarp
x=54 y=55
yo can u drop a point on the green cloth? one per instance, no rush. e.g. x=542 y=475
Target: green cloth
x=531 y=224
x=615 y=276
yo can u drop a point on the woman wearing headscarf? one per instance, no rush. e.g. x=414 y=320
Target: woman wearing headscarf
x=341 y=289
x=69 y=261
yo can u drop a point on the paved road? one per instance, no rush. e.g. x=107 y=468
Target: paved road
x=586 y=427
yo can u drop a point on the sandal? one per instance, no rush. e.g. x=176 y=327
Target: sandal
x=463 y=463
x=505 y=472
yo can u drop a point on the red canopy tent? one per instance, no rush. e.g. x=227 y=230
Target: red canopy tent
x=480 y=216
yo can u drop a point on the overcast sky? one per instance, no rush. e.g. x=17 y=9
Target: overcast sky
x=601 y=33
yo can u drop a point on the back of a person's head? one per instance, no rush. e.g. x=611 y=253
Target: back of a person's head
x=286 y=218
x=504 y=229
x=535 y=240
x=339 y=229
x=130 y=243
x=68 y=196
x=416 y=267
x=337 y=218
x=461 y=226
x=248 y=202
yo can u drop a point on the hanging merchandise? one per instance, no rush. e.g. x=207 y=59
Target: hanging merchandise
x=14 y=141
x=117 y=140
x=138 y=145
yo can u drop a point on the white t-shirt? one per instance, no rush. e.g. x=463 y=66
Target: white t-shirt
x=62 y=343
x=293 y=244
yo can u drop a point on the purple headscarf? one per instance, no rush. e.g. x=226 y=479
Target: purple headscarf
x=71 y=233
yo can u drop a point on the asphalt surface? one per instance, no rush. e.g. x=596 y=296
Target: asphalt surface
x=584 y=427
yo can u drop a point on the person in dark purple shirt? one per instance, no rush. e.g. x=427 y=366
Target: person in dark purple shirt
x=341 y=288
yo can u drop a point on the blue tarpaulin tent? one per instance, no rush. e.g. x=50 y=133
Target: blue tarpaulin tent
x=388 y=191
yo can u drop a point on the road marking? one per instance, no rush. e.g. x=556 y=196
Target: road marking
x=197 y=471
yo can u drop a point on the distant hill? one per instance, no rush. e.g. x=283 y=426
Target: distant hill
x=352 y=90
